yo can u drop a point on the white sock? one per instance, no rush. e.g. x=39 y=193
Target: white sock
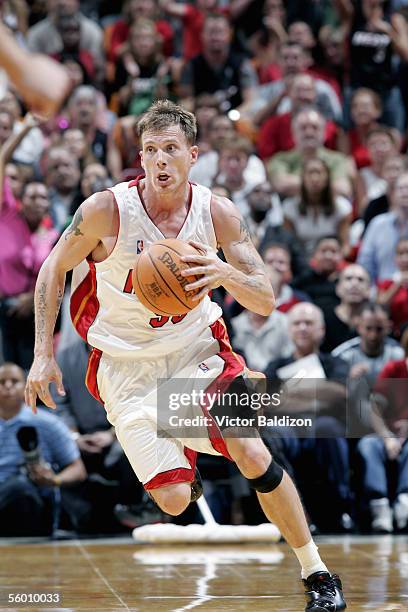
x=309 y=559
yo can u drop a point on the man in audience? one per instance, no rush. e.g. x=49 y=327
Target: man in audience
x=378 y=249
x=220 y=129
x=319 y=281
x=27 y=499
x=218 y=68
x=83 y=114
x=62 y=178
x=353 y=289
x=388 y=447
x=44 y=37
x=285 y=168
x=322 y=449
x=392 y=168
x=275 y=134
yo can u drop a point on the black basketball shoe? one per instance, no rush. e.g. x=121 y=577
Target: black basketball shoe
x=324 y=593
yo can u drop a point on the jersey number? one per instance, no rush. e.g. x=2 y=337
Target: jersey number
x=154 y=321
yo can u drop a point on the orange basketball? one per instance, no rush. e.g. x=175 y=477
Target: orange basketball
x=157 y=280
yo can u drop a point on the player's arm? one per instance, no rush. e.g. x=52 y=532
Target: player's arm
x=41 y=81
x=243 y=274
x=91 y=222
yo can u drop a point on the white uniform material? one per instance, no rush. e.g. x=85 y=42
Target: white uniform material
x=135 y=348
x=123 y=327
x=209 y=532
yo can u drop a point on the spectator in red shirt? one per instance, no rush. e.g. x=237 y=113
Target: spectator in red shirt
x=276 y=135
x=390 y=422
x=393 y=293
x=117 y=34
x=192 y=18
x=366 y=109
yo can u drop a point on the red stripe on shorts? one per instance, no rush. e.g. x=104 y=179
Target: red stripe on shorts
x=91 y=380
x=233 y=366
x=175 y=476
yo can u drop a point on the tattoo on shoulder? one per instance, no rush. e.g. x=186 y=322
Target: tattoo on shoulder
x=75 y=223
x=244 y=233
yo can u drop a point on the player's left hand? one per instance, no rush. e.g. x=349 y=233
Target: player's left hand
x=213 y=271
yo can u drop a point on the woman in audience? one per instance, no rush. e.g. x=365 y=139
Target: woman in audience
x=317 y=212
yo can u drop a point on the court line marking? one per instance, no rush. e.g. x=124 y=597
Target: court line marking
x=98 y=572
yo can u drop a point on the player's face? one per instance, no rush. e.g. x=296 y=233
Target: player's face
x=166 y=159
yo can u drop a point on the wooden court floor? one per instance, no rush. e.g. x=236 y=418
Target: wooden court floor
x=119 y=575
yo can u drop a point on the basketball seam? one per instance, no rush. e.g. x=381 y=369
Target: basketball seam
x=146 y=298
x=166 y=283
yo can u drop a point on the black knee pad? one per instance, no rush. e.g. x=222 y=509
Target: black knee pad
x=268 y=481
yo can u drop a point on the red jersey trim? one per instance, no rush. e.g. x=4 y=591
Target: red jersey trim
x=91 y=380
x=84 y=304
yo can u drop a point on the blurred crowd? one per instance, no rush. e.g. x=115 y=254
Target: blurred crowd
x=302 y=111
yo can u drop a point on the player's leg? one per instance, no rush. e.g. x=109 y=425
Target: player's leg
x=281 y=503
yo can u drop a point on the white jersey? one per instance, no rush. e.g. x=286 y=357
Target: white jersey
x=104 y=309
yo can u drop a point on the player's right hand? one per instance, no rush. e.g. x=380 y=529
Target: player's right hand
x=43 y=371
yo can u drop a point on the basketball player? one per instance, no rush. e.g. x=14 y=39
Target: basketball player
x=133 y=348
x=42 y=82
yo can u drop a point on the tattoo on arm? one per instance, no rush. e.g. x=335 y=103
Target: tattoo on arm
x=41 y=312
x=243 y=232
x=60 y=296
x=250 y=265
x=75 y=223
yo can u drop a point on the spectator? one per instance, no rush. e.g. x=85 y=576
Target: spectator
x=123 y=159
x=381 y=144
x=332 y=61
x=95 y=437
x=261 y=339
x=45 y=38
x=353 y=288
x=275 y=134
x=325 y=447
x=31 y=144
x=206 y=109
x=26 y=499
x=272 y=98
x=27 y=238
x=393 y=293
x=218 y=68
x=277 y=261
x=73 y=139
x=192 y=19
x=319 y=281
x=220 y=129
x=118 y=33
x=69 y=29
x=317 y=212
x=142 y=73
x=233 y=160
x=94 y=178
x=389 y=446
x=378 y=249
x=83 y=112
x=365 y=109
x=308 y=132
x=370 y=41
x=265 y=211
x=62 y=178
x=392 y=168
x=368 y=352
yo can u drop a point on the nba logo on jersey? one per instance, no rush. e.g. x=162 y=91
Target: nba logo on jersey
x=139 y=246
x=204 y=367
